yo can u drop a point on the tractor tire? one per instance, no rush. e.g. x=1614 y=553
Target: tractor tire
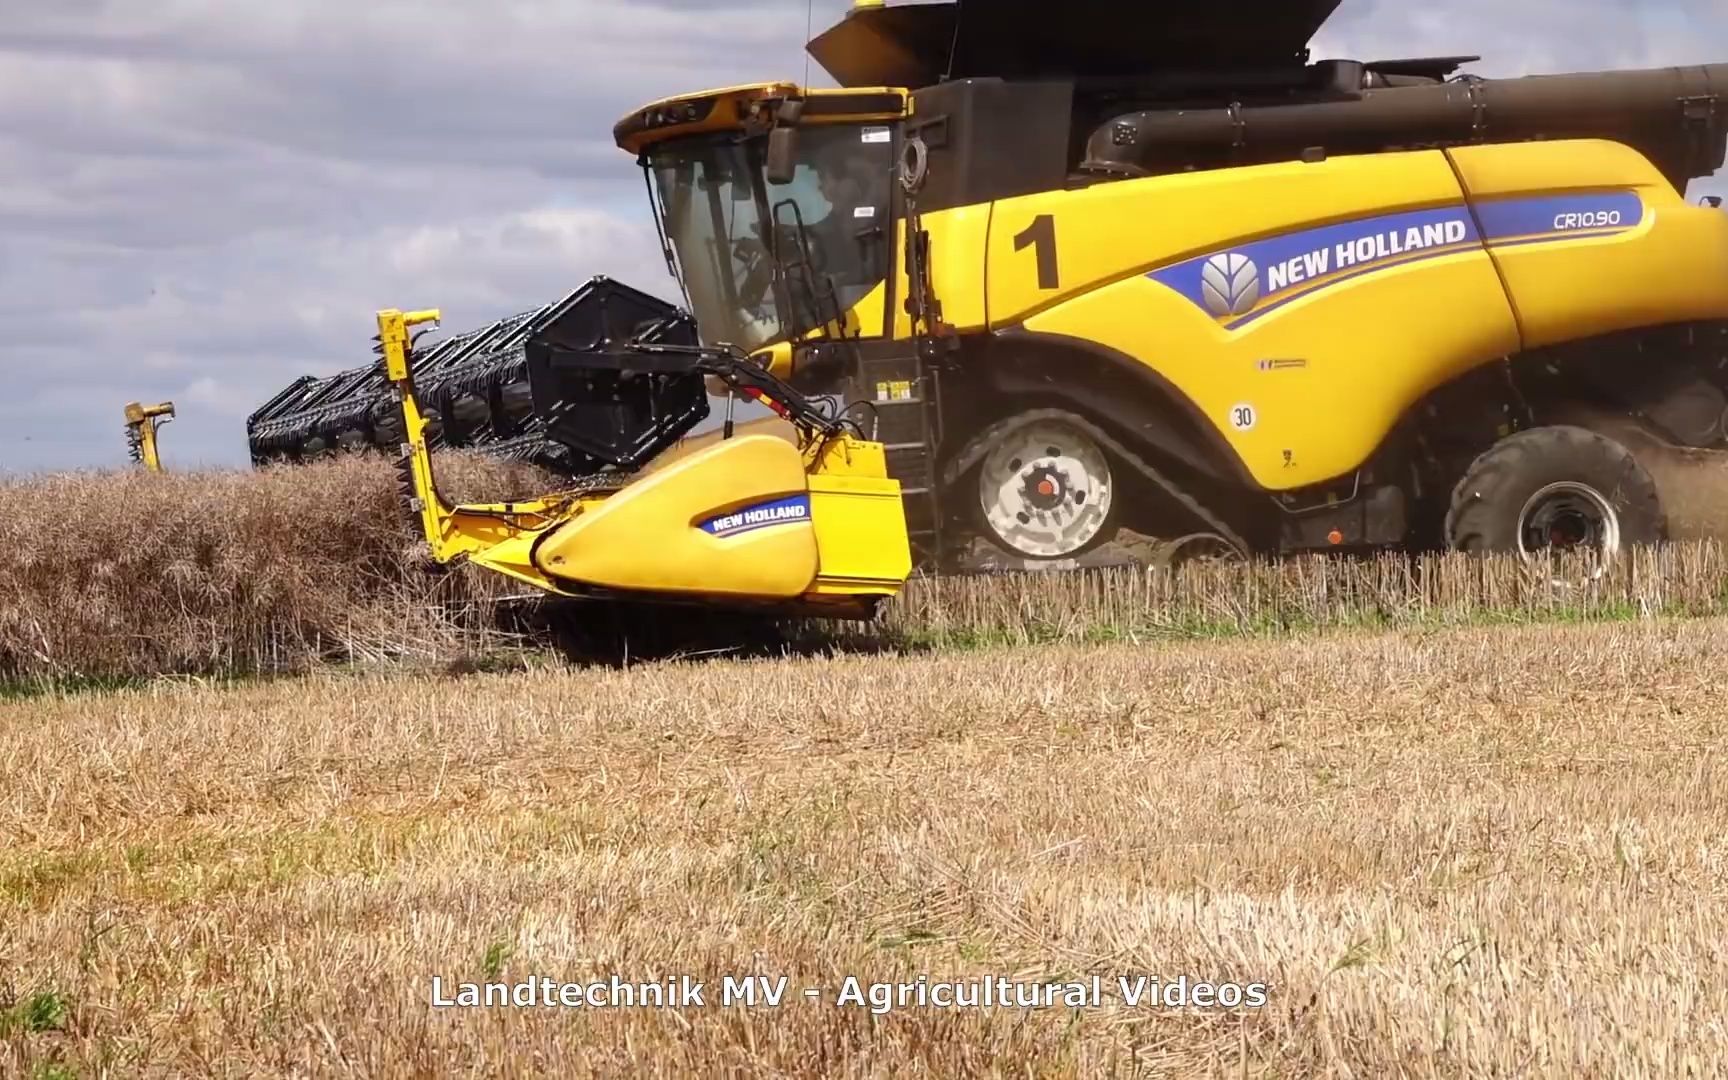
x=1555 y=486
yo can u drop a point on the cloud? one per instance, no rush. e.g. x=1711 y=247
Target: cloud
x=205 y=200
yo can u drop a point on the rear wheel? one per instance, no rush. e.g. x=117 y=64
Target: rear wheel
x=1556 y=489
x=1047 y=490
x=1201 y=548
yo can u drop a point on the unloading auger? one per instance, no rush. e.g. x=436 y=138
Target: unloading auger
x=813 y=528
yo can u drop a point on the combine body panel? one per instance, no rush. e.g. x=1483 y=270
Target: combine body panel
x=1155 y=269
x=1591 y=239
x=1308 y=292
x=742 y=518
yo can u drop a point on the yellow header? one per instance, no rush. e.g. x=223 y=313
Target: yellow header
x=141 y=422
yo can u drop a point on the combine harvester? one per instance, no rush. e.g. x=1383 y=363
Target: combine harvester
x=142 y=424
x=1150 y=267
x=1155 y=270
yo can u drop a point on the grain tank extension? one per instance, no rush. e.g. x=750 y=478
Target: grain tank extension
x=1158 y=269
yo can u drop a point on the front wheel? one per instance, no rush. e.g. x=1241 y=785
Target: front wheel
x=1556 y=489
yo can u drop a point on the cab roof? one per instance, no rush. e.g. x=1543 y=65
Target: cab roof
x=736 y=107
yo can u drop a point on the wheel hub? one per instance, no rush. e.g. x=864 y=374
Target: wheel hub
x=1045 y=491
x=1567 y=517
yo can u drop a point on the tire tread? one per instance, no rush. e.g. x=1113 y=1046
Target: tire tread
x=1476 y=506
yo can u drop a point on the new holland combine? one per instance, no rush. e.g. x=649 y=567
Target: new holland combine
x=1154 y=269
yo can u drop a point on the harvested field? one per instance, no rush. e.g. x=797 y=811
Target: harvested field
x=1452 y=852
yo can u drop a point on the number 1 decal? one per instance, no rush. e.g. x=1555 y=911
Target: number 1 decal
x=1041 y=234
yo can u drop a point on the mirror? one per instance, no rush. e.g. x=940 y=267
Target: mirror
x=782 y=164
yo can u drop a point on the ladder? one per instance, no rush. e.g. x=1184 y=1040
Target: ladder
x=904 y=392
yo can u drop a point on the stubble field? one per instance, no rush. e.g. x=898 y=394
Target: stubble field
x=1460 y=851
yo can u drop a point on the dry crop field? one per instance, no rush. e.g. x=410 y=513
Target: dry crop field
x=294 y=569
x=1465 y=851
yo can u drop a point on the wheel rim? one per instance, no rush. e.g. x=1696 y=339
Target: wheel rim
x=1045 y=491
x=1569 y=517
x=1202 y=548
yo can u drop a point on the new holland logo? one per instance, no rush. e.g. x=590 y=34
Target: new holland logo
x=1230 y=284
x=766 y=515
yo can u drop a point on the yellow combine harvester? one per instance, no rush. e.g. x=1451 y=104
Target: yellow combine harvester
x=142 y=424
x=752 y=522
x=1150 y=267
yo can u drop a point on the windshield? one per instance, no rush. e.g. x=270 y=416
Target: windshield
x=744 y=281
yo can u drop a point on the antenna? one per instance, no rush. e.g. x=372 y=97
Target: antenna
x=809 y=31
x=954 y=45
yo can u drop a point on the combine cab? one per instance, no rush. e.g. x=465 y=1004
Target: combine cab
x=480 y=393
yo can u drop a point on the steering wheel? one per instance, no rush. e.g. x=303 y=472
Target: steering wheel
x=757 y=272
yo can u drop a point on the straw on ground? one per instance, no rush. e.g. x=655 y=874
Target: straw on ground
x=1452 y=852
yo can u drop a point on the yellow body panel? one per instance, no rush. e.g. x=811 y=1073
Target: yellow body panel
x=775 y=359
x=869 y=317
x=648 y=536
x=959 y=247
x=1366 y=355
x=1341 y=292
x=857 y=519
x=1364 y=349
x=865 y=319
x=1670 y=268
x=860 y=518
x=1121 y=229
x=835 y=525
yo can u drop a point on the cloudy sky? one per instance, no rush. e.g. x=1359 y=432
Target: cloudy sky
x=205 y=199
